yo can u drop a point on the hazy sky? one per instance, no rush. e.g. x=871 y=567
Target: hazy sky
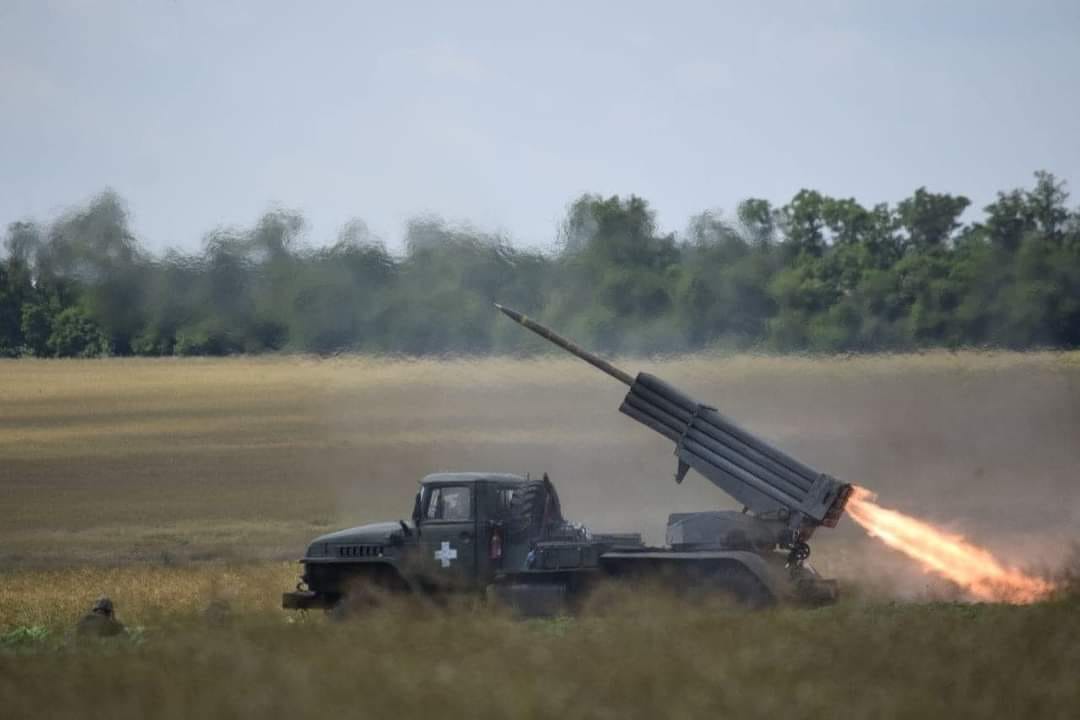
x=208 y=113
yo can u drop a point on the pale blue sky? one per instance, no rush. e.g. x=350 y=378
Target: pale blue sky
x=208 y=113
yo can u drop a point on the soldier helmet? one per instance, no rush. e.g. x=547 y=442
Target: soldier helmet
x=103 y=606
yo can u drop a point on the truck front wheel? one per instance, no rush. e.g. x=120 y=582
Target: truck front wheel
x=366 y=588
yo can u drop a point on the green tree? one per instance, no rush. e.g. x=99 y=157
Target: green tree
x=75 y=335
x=818 y=273
x=930 y=219
x=16 y=284
x=803 y=224
x=337 y=295
x=37 y=321
x=722 y=291
x=758 y=220
x=616 y=266
x=1046 y=206
x=94 y=249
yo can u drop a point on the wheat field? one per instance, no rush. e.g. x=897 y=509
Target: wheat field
x=170 y=484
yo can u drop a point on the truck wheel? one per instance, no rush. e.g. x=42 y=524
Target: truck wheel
x=740 y=585
x=339 y=611
x=356 y=601
x=365 y=590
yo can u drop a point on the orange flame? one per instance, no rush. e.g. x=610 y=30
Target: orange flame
x=982 y=575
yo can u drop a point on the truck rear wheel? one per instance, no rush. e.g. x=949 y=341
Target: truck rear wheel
x=740 y=585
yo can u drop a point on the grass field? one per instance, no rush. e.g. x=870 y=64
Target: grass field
x=172 y=483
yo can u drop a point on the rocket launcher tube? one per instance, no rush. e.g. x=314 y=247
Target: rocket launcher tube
x=566 y=345
x=760 y=476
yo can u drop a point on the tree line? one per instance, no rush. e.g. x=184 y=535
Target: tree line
x=817 y=274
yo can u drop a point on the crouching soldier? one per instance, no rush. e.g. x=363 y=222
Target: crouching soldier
x=100 y=621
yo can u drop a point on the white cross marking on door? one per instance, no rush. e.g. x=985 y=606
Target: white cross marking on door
x=445 y=554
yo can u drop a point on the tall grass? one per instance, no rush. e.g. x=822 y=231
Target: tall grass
x=143 y=593
x=637 y=657
x=173 y=485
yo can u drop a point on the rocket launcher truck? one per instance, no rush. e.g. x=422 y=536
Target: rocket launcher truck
x=504 y=535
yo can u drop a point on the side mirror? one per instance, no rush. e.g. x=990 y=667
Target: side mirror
x=416 y=510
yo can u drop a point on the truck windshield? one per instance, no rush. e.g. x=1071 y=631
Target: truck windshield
x=452 y=502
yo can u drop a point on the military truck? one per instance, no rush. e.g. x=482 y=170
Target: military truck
x=504 y=536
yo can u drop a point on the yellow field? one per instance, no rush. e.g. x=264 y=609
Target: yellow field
x=172 y=483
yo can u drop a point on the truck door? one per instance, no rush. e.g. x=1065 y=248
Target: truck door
x=448 y=535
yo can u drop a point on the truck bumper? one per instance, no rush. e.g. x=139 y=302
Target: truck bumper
x=306 y=600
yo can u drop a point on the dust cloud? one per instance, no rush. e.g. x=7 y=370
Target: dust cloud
x=984 y=446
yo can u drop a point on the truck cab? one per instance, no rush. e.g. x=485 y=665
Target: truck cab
x=454 y=542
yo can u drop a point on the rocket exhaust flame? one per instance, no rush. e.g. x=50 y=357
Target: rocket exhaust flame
x=974 y=569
